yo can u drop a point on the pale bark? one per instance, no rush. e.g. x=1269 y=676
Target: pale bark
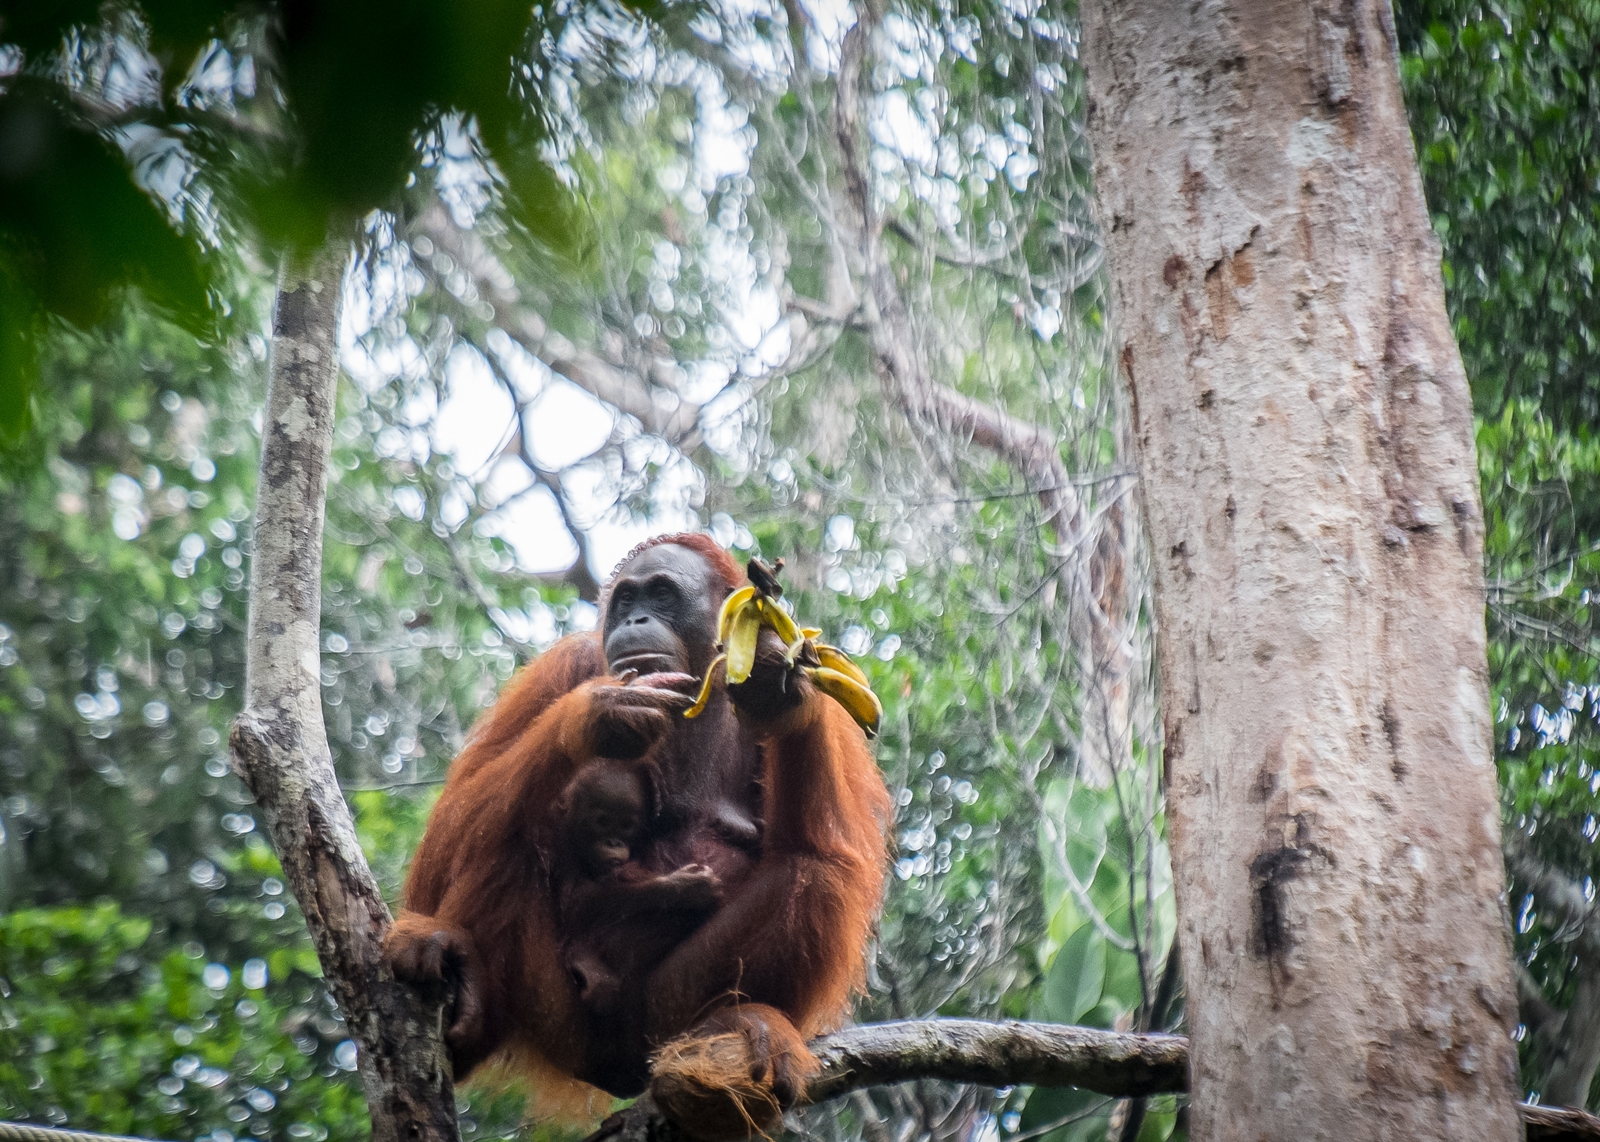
x=280 y=745
x=997 y=1054
x=1304 y=433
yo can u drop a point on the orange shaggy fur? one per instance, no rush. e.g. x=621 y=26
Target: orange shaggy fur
x=728 y=1011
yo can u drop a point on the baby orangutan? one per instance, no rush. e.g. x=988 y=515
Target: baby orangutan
x=605 y=812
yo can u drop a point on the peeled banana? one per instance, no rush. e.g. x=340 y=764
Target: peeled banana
x=830 y=669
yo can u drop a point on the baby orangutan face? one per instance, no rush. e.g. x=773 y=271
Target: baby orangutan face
x=608 y=806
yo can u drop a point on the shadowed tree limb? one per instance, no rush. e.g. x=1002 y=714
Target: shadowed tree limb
x=1095 y=546
x=1558 y=1124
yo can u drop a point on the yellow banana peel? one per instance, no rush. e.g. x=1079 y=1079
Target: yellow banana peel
x=731 y=606
x=857 y=698
x=704 y=696
x=743 y=633
x=779 y=620
x=835 y=659
x=830 y=669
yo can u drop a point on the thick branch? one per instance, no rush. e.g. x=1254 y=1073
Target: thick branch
x=280 y=745
x=998 y=1055
x=1013 y=1054
x=1559 y=1124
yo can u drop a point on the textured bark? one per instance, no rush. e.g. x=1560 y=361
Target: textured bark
x=1010 y=1054
x=966 y=1051
x=998 y=1055
x=1559 y=1124
x=280 y=745
x=1304 y=433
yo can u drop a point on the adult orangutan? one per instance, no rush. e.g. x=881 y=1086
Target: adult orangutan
x=626 y=897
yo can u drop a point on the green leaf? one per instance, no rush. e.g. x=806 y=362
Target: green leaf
x=1076 y=978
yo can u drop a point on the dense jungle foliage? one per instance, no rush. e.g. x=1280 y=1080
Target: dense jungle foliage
x=155 y=976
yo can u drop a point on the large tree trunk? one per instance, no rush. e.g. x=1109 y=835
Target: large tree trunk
x=1304 y=433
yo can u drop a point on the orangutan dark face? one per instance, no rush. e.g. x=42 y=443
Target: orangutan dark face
x=661 y=615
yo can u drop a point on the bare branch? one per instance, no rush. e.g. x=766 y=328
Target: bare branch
x=1542 y=1018
x=1553 y=890
x=1012 y=1054
x=661 y=412
x=965 y=1051
x=998 y=1055
x=908 y=382
x=280 y=745
x=1094 y=571
x=581 y=573
x=1559 y=1124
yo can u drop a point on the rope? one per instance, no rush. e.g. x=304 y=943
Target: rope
x=27 y=1132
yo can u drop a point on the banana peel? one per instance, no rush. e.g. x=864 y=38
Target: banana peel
x=858 y=699
x=828 y=668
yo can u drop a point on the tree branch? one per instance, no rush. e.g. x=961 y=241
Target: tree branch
x=909 y=384
x=1559 y=893
x=1558 y=1124
x=279 y=742
x=675 y=421
x=1567 y=1043
x=998 y=1055
x=581 y=573
x=1013 y=1054
x=1094 y=569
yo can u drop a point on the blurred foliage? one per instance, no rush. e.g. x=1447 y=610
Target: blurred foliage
x=1505 y=106
x=102 y=1026
x=124 y=534
x=140 y=142
x=126 y=529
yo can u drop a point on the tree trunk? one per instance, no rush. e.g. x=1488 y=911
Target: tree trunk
x=280 y=745
x=1304 y=432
